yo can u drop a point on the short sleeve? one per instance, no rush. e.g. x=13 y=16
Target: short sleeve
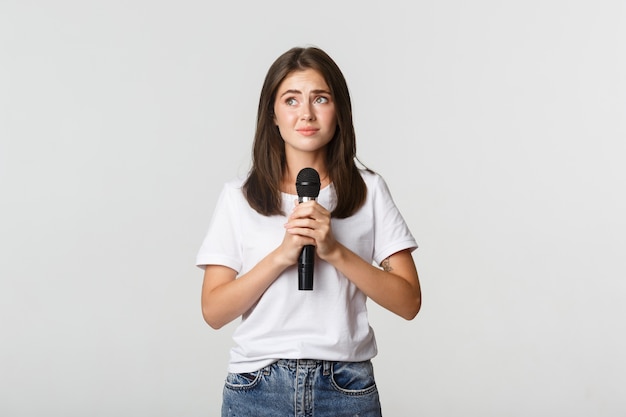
x=222 y=242
x=391 y=233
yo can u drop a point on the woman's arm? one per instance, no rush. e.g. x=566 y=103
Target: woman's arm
x=395 y=287
x=225 y=298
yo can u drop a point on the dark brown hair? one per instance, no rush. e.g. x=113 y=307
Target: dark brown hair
x=262 y=187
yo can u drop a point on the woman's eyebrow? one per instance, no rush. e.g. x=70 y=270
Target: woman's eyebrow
x=291 y=92
x=320 y=91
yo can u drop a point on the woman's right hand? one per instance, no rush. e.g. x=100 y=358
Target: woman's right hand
x=226 y=297
x=291 y=247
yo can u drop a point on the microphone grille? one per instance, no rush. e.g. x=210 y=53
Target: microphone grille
x=308 y=183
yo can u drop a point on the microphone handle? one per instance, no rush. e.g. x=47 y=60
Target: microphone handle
x=306 y=261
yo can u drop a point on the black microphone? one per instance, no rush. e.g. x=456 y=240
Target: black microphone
x=308 y=187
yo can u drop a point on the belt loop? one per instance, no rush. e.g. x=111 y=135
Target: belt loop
x=327 y=367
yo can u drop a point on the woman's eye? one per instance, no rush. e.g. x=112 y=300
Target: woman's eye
x=291 y=101
x=321 y=100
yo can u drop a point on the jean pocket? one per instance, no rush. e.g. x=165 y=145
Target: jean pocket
x=353 y=378
x=243 y=381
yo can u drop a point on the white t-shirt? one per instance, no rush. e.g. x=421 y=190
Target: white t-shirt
x=328 y=323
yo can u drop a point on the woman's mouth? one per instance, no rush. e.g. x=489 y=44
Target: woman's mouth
x=307 y=131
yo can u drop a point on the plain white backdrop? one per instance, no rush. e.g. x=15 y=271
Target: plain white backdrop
x=499 y=127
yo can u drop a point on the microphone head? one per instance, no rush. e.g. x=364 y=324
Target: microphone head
x=308 y=183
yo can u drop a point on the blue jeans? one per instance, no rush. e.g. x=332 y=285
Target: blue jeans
x=303 y=388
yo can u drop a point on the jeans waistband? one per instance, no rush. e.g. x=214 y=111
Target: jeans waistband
x=294 y=364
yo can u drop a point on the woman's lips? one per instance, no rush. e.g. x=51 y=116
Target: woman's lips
x=307 y=131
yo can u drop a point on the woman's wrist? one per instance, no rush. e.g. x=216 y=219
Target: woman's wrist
x=335 y=255
x=279 y=260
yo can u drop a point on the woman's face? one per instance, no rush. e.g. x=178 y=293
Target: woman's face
x=304 y=112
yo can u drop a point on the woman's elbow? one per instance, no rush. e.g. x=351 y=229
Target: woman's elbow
x=211 y=320
x=214 y=324
x=411 y=312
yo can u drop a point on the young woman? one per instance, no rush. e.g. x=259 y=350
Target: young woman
x=305 y=352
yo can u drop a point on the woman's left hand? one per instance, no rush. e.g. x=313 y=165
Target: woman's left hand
x=395 y=287
x=311 y=220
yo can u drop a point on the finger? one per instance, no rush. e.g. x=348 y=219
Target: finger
x=310 y=209
x=303 y=224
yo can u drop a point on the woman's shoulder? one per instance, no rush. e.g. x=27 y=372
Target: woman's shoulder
x=372 y=178
x=376 y=185
x=235 y=183
x=233 y=188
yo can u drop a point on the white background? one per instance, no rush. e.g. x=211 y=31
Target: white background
x=499 y=127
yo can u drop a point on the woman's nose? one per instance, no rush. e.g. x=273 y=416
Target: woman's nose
x=306 y=112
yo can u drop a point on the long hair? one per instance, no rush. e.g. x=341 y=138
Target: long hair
x=262 y=187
